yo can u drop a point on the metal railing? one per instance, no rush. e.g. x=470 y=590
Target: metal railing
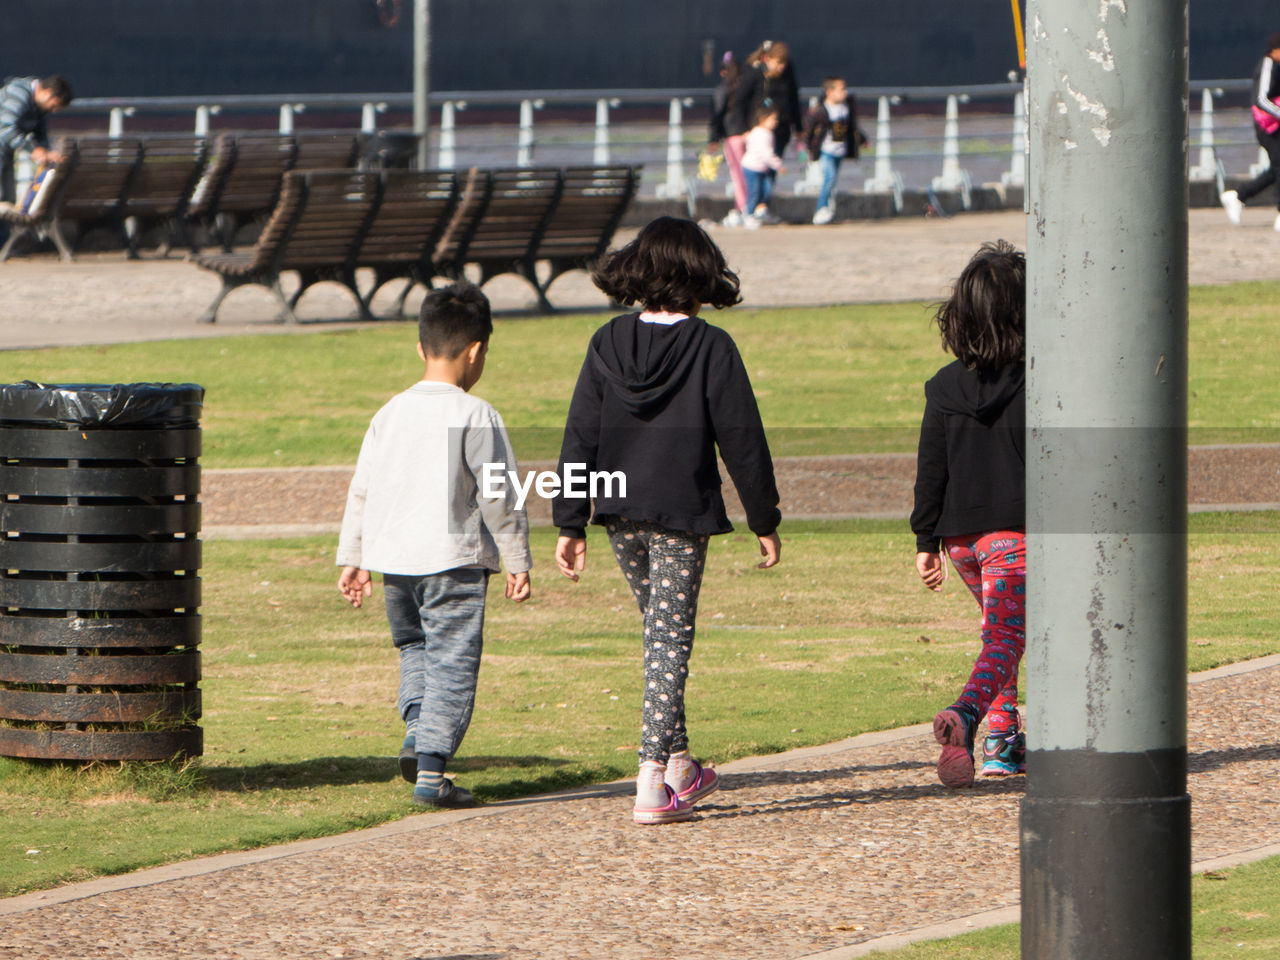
x=944 y=138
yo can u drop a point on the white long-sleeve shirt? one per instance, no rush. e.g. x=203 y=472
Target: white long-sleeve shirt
x=414 y=506
x=759 y=154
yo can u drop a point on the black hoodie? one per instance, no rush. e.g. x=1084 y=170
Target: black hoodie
x=971 y=463
x=654 y=401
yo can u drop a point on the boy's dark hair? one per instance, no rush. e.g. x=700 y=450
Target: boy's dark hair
x=59 y=87
x=984 y=321
x=452 y=318
x=1273 y=42
x=671 y=265
x=829 y=82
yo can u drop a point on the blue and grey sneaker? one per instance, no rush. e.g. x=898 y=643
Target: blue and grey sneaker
x=408 y=760
x=1004 y=755
x=438 y=791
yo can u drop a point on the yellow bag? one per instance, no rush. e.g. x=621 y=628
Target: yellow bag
x=709 y=165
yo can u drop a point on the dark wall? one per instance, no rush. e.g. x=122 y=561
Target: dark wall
x=195 y=47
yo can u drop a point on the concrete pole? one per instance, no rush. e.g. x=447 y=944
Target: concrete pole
x=422 y=79
x=1106 y=852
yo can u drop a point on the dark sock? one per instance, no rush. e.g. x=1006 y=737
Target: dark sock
x=411 y=714
x=431 y=763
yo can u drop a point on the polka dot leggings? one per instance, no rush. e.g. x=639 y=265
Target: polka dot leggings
x=664 y=570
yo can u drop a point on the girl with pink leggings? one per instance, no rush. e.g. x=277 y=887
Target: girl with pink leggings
x=969 y=500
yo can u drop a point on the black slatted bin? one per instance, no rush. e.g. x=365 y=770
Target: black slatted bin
x=99 y=571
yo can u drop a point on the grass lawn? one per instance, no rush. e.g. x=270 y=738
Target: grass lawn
x=829 y=380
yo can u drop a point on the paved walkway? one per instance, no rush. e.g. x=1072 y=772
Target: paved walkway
x=829 y=853
x=101 y=298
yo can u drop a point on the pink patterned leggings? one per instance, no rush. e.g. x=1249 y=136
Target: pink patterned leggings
x=994 y=568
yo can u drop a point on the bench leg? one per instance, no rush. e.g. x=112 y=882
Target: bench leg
x=131 y=231
x=348 y=280
x=59 y=241
x=286 y=314
x=15 y=233
x=529 y=270
x=210 y=314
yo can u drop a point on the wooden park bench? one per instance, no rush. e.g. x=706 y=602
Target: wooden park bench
x=315 y=229
x=241 y=182
x=161 y=189
x=325 y=149
x=415 y=208
x=498 y=224
x=88 y=190
x=580 y=228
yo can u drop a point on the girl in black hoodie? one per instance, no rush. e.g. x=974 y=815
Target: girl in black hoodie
x=969 y=500
x=659 y=391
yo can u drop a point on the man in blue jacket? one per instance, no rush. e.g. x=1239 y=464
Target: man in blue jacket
x=25 y=102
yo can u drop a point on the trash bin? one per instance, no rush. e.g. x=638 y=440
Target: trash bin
x=390 y=149
x=99 y=571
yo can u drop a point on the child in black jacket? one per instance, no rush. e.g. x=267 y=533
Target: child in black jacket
x=659 y=391
x=970 y=500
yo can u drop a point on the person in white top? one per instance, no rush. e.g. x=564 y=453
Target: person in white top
x=761 y=166
x=416 y=512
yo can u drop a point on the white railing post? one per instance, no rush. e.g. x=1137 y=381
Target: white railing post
x=952 y=177
x=1016 y=175
x=675 y=183
x=447 y=158
x=22 y=174
x=369 y=116
x=1206 y=168
x=286 y=118
x=525 y=144
x=1264 y=162
x=884 y=180
x=115 y=121
x=203 y=113
x=601 y=155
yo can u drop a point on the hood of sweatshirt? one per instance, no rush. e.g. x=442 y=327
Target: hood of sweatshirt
x=645 y=363
x=981 y=395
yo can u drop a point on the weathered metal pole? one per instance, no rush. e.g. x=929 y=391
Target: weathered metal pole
x=1106 y=819
x=422 y=79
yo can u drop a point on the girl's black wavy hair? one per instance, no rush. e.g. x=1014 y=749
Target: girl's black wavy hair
x=671 y=265
x=985 y=319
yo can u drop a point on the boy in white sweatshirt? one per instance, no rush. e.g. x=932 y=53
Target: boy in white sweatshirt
x=415 y=514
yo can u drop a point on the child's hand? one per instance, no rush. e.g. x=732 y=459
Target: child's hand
x=355 y=584
x=571 y=556
x=771 y=550
x=518 y=586
x=931 y=569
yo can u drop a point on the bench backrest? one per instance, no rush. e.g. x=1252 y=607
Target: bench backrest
x=99 y=178
x=325 y=150
x=415 y=209
x=270 y=245
x=516 y=208
x=335 y=213
x=473 y=198
x=243 y=174
x=166 y=177
x=591 y=206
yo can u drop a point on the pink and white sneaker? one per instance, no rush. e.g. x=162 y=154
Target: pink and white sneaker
x=699 y=781
x=674 y=810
